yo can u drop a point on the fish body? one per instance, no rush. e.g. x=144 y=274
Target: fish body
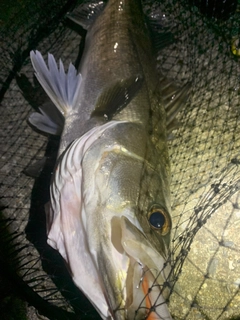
x=109 y=212
x=117 y=48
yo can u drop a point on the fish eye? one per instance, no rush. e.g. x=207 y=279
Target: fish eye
x=159 y=220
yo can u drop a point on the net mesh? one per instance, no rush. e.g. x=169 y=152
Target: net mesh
x=204 y=151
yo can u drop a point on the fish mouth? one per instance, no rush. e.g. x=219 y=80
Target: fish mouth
x=145 y=286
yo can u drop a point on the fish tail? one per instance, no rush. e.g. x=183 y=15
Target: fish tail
x=62 y=88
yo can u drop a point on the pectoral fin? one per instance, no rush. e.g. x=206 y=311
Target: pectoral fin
x=117 y=97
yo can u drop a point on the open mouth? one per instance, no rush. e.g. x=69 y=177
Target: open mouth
x=145 y=288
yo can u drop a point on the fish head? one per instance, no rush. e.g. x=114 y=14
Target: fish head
x=114 y=239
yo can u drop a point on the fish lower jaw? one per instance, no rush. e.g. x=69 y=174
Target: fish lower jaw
x=143 y=297
x=149 y=298
x=141 y=275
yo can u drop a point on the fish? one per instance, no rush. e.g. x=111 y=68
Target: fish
x=109 y=213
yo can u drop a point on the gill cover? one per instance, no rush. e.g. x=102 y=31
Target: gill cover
x=68 y=233
x=66 y=219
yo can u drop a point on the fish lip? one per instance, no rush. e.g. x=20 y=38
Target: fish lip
x=145 y=285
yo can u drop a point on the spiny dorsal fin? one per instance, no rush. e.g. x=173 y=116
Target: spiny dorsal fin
x=174 y=99
x=117 y=97
x=161 y=35
x=87 y=13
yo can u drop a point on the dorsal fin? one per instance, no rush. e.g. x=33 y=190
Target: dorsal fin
x=159 y=29
x=161 y=37
x=174 y=99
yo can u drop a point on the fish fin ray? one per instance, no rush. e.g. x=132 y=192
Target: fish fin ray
x=48 y=120
x=162 y=40
x=117 y=97
x=62 y=88
x=87 y=13
x=160 y=34
x=174 y=99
